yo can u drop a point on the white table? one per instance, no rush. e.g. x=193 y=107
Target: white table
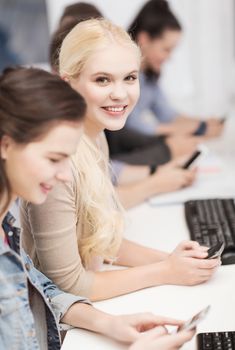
x=164 y=227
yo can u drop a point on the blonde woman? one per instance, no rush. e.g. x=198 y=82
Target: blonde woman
x=81 y=224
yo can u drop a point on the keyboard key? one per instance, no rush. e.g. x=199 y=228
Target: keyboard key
x=216 y=341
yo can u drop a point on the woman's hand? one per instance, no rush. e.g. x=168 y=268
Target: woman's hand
x=129 y=328
x=183 y=145
x=171 y=177
x=158 y=338
x=214 y=127
x=187 y=265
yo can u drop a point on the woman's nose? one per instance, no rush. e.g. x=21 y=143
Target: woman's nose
x=118 y=92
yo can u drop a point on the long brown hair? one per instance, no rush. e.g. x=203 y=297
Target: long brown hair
x=31 y=101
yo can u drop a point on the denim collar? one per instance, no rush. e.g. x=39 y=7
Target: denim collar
x=9 y=219
x=12 y=232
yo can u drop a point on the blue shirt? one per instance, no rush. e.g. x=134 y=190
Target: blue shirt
x=31 y=306
x=152 y=99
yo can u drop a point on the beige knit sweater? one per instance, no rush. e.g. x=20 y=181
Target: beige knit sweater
x=50 y=236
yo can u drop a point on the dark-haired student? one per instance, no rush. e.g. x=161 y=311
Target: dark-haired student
x=40 y=126
x=157 y=31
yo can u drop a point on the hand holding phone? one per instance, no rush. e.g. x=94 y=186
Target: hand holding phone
x=194 y=156
x=193 y=322
x=215 y=251
x=223 y=119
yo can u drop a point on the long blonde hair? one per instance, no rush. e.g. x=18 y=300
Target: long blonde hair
x=100 y=211
x=86 y=38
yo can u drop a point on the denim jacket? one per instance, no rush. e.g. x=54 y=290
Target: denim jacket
x=31 y=306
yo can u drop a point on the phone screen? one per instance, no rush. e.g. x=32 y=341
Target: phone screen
x=215 y=251
x=191 y=159
x=192 y=322
x=223 y=119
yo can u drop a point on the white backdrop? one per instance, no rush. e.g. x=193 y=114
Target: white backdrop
x=199 y=76
x=119 y=11
x=204 y=63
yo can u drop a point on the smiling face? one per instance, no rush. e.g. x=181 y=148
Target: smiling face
x=109 y=83
x=33 y=169
x=157 y=50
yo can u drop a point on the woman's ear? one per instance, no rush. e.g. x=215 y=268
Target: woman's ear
x=5 y=145
x=143 y=39
x=65 y=78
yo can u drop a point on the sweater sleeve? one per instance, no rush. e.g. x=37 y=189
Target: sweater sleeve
x=161 y=107
x=52 y=229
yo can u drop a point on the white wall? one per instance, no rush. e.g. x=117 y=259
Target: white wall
x=204 y=63
x=198 y=78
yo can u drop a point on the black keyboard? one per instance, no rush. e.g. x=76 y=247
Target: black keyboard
x=216 y=341
x=211 y=221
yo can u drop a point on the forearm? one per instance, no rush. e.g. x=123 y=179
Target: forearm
x=165 y=129
x=189 y=120
x=133 y=254
x=87 y=317
x=132 y=173
x=109 y=284
x=170 y=127
x=133 y=194
x=181 y=125
x=182 y=118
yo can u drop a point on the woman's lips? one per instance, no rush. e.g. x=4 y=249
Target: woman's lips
x=115 y=110
x=46 y=188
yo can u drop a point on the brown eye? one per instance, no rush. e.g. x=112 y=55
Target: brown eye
x=54 y=160
x=131 y=78
x=102 y=80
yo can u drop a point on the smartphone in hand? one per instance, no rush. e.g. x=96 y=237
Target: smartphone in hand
x=193 y=322
x=223 y=119
x=215 y=251
x=194 y=156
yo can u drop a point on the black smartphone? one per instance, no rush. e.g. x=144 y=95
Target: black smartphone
x=215 y=251
x=193 y=322
x=223 y=119
x=193 y=157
